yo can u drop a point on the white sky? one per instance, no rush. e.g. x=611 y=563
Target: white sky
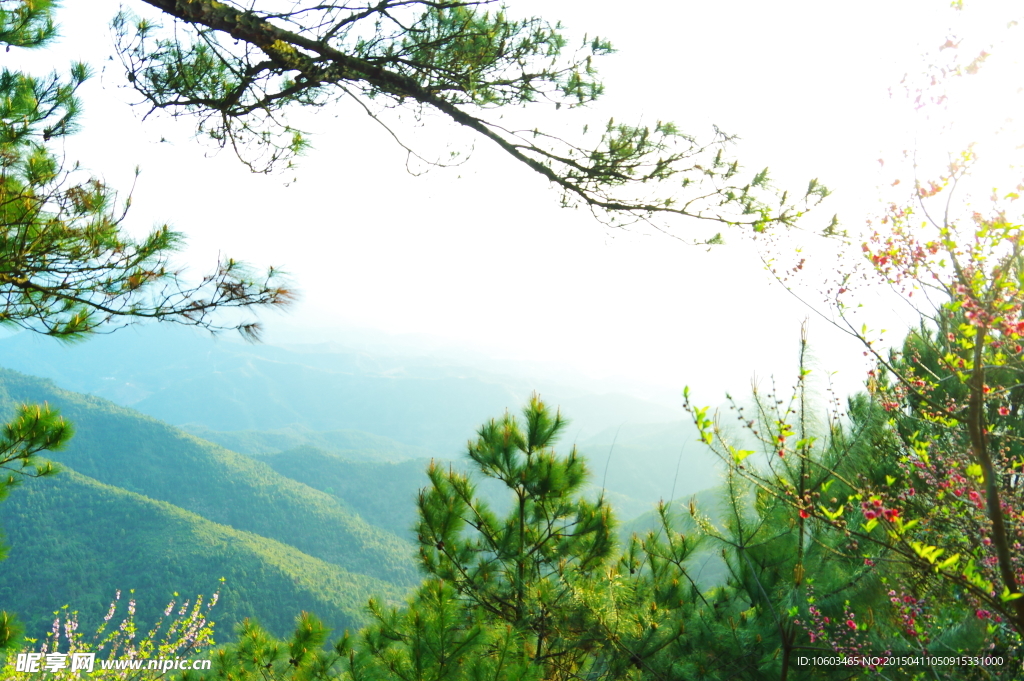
x=483 y=255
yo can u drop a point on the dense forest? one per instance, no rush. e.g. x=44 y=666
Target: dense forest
x=290 y=500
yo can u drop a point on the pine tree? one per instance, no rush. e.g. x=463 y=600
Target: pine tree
x=524 y=569
x=238 y=68
x=438 y=636
x=532 y=593
x=66 y=265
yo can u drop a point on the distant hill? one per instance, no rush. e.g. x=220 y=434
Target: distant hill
x=382 y=493
x=352 y=445
x=130 y=453
x=183 y=378
x=74 y=540
x=126 y=449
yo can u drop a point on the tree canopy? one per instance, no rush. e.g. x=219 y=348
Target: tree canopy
x=67 y=266
x=239 y=68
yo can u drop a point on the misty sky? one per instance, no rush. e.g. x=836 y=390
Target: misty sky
x=483 y=255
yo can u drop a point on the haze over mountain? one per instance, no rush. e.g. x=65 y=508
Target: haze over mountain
x=182 y=377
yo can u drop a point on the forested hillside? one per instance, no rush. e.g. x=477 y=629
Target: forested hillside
x=197 y=497
x=382 y=493
x=76 y=541
x=120 y=447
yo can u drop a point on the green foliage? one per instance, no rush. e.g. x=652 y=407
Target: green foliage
x=506 y=597
x=34 y=429
x=259 y=655
x=521 y=569
x=707 y=566
x=11 y=630
x=854 y=543
x=27 y=24
x=951 y=396
x=66 y=265
x=537 y=593
x=930 y=408
x=436 y=637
